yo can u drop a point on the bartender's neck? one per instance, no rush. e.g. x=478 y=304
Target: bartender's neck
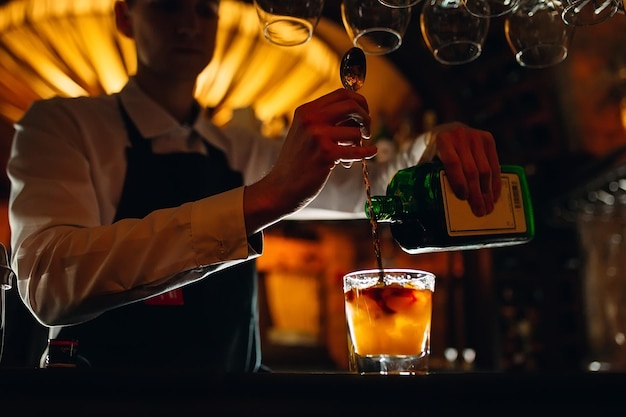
x=176 y=96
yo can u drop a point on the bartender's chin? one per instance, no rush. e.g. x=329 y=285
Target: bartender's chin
x=189 y=63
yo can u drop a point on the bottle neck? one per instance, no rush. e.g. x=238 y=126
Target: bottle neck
x=386 y=209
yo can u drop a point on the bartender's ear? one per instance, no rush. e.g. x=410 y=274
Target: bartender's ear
x=122 y=18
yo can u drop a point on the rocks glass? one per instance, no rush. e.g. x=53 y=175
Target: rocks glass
x=389 y=320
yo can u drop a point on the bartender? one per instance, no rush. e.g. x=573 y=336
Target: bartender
x=135 y=221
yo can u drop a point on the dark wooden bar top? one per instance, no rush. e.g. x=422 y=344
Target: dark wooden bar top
x=86 y=392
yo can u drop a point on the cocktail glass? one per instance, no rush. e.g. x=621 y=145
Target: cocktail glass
x=388 y=317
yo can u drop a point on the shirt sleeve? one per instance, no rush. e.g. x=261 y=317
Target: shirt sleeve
x=70 y=265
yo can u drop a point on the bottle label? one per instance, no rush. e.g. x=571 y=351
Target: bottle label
x=507 y=217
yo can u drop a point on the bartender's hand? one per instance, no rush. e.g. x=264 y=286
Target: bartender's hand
x=471 y=162
x=315 y=144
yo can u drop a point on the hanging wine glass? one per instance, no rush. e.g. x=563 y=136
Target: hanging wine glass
x=495 y=8
x=399 y=3
x=288 y=23
x=373 y=27
x=589 y=12
x=537 y=34
x=453 y=35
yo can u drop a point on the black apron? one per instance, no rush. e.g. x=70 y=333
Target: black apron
x=217 y=327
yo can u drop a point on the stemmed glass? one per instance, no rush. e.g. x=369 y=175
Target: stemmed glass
x=589 y=12
x=375 y=28
x=453 y=35
x=495 y=8
x=399 y=3
x=537 y=34
x=288 y=23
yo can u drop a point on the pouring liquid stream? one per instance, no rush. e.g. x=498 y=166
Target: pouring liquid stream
x=373 y=224
x=352 y=72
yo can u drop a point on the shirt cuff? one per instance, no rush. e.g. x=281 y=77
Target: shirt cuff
x=218 y=230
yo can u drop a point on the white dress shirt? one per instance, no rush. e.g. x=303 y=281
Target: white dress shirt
x=67 y=169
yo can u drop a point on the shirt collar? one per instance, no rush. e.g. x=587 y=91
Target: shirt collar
x=149 y=117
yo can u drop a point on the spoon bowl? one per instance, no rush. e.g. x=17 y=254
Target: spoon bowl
x=353 y=68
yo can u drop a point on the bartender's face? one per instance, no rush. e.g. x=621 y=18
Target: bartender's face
x=174 y=38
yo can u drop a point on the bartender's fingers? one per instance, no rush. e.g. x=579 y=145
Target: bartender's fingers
x=347 y=135
x=482 y=171
x=356 y=153
x=493 y=160
x=485 y=160
x=463 y=151
x=339 y=106
x=478 y=174
x=340 y=94
x=349 y=147
x=327 y=117
x=449 y=154
x=357 y=120
x=328 y=145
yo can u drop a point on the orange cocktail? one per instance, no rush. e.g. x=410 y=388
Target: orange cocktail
x=389 y=320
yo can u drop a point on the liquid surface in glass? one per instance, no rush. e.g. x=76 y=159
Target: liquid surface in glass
x=389 y=320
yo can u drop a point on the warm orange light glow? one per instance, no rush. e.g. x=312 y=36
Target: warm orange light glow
x=71 y=48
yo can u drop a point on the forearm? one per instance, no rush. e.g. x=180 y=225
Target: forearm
x=67 y=274
x=267 y=202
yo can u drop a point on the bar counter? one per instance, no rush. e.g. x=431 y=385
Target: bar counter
x=85 y=392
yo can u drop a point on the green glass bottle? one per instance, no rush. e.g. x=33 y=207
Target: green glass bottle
x=426 y=216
